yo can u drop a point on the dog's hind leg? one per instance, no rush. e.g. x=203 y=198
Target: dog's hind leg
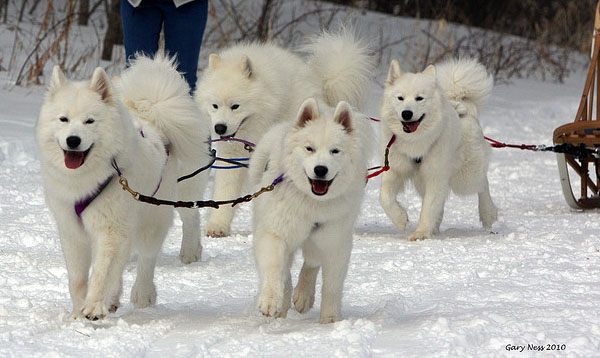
x=152 y=233
x=304 y=293
x=488 y=212
x=391 y=184
x=191 y=245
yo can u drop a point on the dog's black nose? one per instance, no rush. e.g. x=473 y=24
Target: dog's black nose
x=321 y=171
x=407 y=115
x=73 y=141
x=220 y=128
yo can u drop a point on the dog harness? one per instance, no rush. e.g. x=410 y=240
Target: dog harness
x=82 y=204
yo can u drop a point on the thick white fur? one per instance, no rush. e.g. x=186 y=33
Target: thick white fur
x=292 y=216
x=325 y=131
x=454 y=155
x=269 y=83
x=113 y=224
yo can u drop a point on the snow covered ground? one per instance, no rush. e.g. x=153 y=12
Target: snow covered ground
x=534 y=280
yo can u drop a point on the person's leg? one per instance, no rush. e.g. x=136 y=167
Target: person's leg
x=141 y=27
x=184 y=28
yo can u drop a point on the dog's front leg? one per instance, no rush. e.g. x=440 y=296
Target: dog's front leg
x=111 y=247
x=75 y=244
x=273 y=261
x=304 y=293
x=436 y=191
x=391 y=184
x=229 y=184
x=335 y=243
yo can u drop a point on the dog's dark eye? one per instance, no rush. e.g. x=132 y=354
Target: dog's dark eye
x=215 y=106
x=89 y=121
x=309 y=149
x=234 y=107
x=400 y=98
x=63 y=119
x=419 y=98
x=335 y=151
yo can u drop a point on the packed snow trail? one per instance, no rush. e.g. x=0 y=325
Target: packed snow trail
x=533 y=281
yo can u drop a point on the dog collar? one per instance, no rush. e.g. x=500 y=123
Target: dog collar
x=82 y=204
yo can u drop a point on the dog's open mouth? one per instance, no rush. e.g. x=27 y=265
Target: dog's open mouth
x=320 y=187
x=74 y=159
x=410 y=127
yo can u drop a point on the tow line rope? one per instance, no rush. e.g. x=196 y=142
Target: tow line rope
x=200 y=203
x=578 y=151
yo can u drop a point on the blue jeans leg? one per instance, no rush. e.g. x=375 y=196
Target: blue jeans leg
x=141 y=28
x=184 y=28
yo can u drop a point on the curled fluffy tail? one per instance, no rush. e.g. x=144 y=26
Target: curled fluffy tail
x=344 y=65
x=465 y=81
x=155 y=92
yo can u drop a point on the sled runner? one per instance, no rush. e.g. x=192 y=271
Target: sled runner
x=584 y=131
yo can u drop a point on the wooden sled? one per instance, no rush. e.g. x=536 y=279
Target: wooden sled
x=584 y=130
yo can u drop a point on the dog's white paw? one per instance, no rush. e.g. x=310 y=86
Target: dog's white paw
x=270 y=304
x=114 y=306
x=143 y=295
x=401 y=219
x=189 y=253
x=216 y=228
x=94 y=311
x=419 y=235
x=77 y=316
x=329 y=318
x=488 y=216
x=303 y=300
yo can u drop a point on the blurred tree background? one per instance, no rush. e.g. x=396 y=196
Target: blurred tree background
x=561 y=22
x=547 y=39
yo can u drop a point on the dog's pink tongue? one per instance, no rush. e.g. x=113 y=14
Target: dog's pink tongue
x=74 y=160
x=412 y=126
x=319 y=186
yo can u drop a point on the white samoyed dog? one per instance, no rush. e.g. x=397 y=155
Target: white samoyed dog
x=439 y=142
x=321 y=156
x=249 y=88
x=148 y=128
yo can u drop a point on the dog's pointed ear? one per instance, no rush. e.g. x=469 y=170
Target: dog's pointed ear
x=394 y=73
x=343 y=115
x=213 y=61
x=429 y=70
x=246 y=67
x=58 y=79
x=309 y=110
x=101 y=84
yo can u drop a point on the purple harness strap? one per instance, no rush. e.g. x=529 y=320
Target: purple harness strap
x=82 y=204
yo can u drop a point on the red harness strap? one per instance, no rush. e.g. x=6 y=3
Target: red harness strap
x=386 y=165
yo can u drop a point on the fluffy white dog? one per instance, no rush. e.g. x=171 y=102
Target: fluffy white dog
x=322 y=157
x=435 y=148
x=88 y=134
x=249 y=88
